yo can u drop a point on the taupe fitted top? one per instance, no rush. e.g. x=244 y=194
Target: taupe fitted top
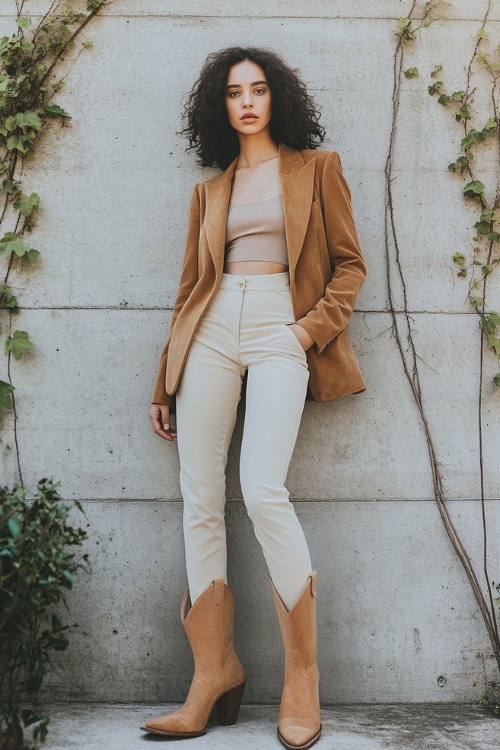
x=256 y=231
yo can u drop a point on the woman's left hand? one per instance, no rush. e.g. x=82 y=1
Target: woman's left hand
x=305 y=339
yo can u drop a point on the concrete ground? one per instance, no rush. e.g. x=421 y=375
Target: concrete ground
x=360 y=727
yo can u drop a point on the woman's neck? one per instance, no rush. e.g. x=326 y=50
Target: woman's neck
x=255 y=149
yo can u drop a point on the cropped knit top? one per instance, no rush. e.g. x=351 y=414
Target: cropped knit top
x=256 y=231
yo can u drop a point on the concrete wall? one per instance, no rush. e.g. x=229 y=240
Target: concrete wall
x=395 y=609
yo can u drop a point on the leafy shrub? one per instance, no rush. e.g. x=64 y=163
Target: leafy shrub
x=37 y=567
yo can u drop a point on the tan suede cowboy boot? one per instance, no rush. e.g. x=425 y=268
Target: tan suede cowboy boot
x=219 y=679
x=299 y=719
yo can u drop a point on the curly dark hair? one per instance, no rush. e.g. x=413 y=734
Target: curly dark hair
x=294 y=120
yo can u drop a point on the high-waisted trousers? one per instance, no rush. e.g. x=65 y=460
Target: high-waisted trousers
x=245 y=329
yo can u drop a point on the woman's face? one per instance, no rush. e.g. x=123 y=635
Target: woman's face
x=248 y=98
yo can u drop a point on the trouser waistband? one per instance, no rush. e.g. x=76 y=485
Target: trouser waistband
x=255 y=282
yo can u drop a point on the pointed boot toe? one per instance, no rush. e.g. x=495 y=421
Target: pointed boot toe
x=297 y=737
x=172 y=725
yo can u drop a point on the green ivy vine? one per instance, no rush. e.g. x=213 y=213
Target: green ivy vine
x=28 y=60
x=479 y=262
x=476 y=266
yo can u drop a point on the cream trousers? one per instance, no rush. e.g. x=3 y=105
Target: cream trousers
x=244 y=329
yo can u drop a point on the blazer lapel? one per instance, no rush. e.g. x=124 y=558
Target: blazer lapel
x=297 y=183
x=218 y=191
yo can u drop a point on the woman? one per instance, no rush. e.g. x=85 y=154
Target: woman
x=271 y=273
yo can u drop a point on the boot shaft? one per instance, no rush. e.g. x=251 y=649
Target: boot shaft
x=209 y=627
x=298 y=626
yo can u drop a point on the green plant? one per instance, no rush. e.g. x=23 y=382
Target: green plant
x=38 y=563
x=28 y=60
x=477 y=264
x=420 y=16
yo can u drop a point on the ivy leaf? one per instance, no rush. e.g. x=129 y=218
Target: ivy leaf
x=23 y=23
x=470 y=139
x=496 y=379
x=26 y=204
x=473 y=189
x=28 y=119
x=9 y=186
x=7 y=300
x=494 y=320
x=30 y=256
x=5 y=395
x=463 y=113
x=460 y=165
x=480 y=33
x=483 y=225
x=54 y=110
x=459 y=258
x=494 y=342
x=14 y=525
x=17 y=142
x=435 y=87
x=12 y=243
x=494 y=237
x=17 y=343
x=411 y=73
x=437 y=69
x=491 y=124
x=404 y=30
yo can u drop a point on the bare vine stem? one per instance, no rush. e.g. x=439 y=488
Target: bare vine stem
x=15 y=420
x=409 y=356
x=467 y=97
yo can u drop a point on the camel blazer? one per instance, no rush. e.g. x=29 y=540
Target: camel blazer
x=325 y=265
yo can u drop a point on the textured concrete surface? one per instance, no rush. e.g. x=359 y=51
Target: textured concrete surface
x=418 y=727
x=396 y=612
x=388 y=610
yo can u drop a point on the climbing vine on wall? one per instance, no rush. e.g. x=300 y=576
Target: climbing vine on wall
x=28 y=61
x=476 y=266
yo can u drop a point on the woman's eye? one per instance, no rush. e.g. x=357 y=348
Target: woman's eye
x=260 y=91
x=233 y=94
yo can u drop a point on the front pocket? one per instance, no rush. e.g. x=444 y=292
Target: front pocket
x=297 y=343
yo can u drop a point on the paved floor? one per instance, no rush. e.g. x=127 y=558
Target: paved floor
x=408 y=727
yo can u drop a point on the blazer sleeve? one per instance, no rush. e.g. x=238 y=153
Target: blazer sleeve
x=189 y=277
x=333 y=311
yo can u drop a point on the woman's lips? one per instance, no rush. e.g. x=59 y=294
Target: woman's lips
x=249 y=118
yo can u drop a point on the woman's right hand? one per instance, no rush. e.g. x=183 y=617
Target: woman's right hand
x=159 y=415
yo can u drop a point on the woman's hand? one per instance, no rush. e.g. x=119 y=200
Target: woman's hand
x=305 y=339
x=159 y=415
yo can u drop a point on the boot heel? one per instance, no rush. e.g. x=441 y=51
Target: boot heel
x=228 y=705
